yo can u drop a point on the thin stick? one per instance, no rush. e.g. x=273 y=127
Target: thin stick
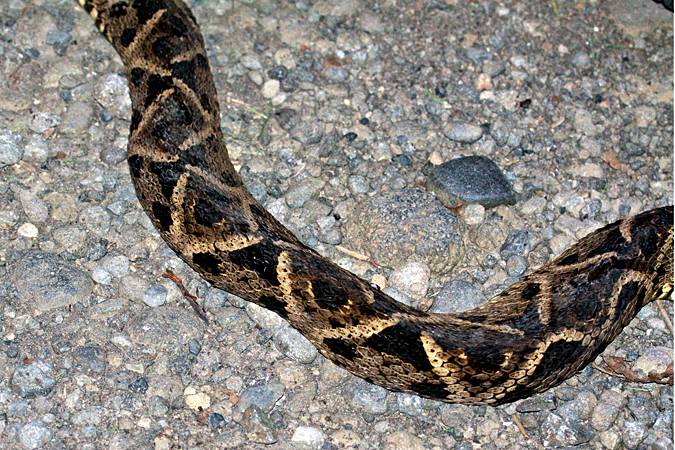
x=664 y=314
x=520 y=426
x=199 y=310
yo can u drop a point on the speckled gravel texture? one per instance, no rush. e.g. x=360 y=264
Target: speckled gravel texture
x=98 y=351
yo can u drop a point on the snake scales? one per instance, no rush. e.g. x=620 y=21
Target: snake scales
x=534 y=335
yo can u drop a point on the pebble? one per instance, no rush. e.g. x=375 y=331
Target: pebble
x=473 y=214
x=478 y=55
x=291 y=343
x=28 y=230
x=11 y=148
x=471 y=179
x=374 y=229
x=92 y=415
x=31 y=380
x=50 y=282
x=258 y=427
x=458 y=296
x=400 y=440
x=364 y=396
x=633 y=433
x=217 y=421
x=557 y=431
x=263 y=397
x=34 y=435
x=463 y=132
x=606 y=411
x=198 y=402
x=517 y=244
x=307 y=438
x=301 y=192
x=516 y=265
x=581 y=59
x=653 y=359
x=155 y=295
x=43 y=121
x=412 y=279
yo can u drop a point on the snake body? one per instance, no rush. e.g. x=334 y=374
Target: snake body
x=534 y=335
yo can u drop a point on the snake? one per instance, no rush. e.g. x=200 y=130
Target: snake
x=537 y=333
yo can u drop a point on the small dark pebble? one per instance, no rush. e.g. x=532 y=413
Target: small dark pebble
x=217 y=421
x=441 y=91
x=139 y=386
x=517 y=244
x=194 y=346
x=401 y=159
x=471 y=179
x=364 y=121
x=278 y=73
x=351 y=136
x=12 y=349
x=106 y=116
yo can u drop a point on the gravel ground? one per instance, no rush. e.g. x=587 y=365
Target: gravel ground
x=575 y=105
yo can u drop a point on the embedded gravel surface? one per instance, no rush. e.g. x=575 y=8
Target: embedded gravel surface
x=325 y=106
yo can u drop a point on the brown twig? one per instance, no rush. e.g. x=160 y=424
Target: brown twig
x=620 y=369
x=520 y=426
x=665 y=315
x=192 y=300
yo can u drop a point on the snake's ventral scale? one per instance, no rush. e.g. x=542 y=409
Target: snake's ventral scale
x=534 y=335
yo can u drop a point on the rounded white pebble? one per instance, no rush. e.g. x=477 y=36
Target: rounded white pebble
x=307 y=438
x=28 y=230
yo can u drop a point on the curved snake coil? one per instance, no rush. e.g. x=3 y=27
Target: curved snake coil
x=534 y=335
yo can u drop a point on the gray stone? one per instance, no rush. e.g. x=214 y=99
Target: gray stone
x=463 y=132
x=34 y=435
x=301 y=192
x=366 y=397
x=557 y=431
x=581 y=59
x=112 y=93
x=50 y=282
x=43 y=121
x=263 y=397
x=291 y=343
x=478 y=55
x=11 y=148
x=32 y=380
x=375 y=229
x=471 y=179
x=258 y=426
x=155 y=295
x=458 y=296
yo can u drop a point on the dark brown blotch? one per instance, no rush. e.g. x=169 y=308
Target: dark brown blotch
x=342 y=348
x=156 y=85
x=136 y=117
x=136 y=76
x=127 y=37
x=260 y=258
x=403 y=340
x=145 y=9
x=118 y=10
x=167 y=174
x=185 y=71
x=162 y=48
x=207 y=262
x=136 y=164
x=162 y=215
